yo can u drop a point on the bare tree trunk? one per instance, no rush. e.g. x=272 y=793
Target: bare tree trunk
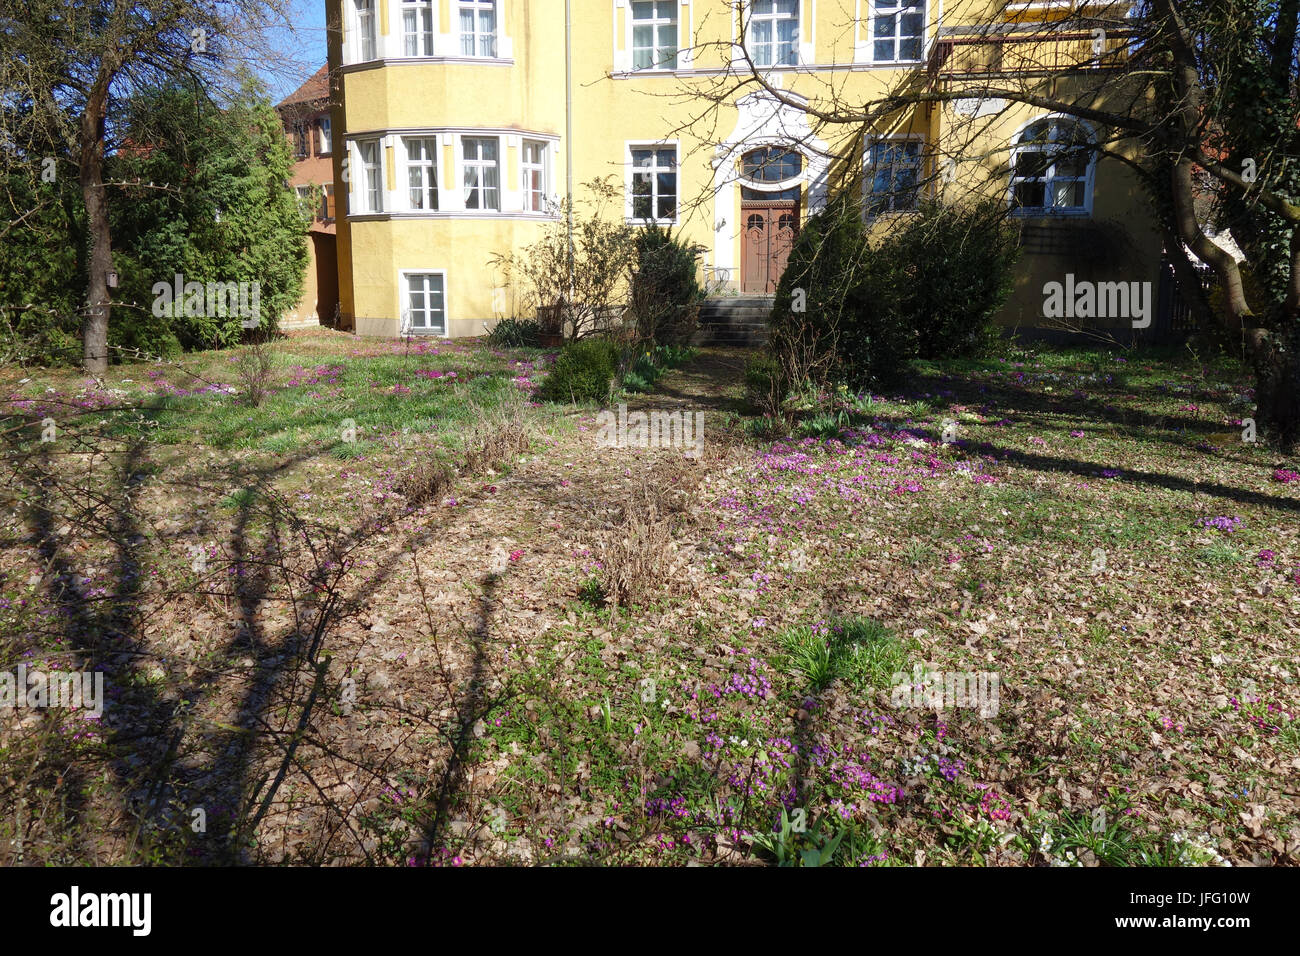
x=94 y=332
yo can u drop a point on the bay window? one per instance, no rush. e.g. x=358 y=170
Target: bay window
x=482 y=173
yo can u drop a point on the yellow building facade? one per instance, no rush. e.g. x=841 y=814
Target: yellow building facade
x=464 y=122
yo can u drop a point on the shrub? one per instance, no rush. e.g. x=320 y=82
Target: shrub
x=582 y=373
x=255 y=371
x=665 y=292
x=577 y=281
x=515 y=333
x=927 y=289
x=765 y=384
x=815 y=298
x=139 y=331
x=38 y=337
x=949 y=270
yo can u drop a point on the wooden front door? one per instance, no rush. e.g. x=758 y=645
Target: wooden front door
x=770 y=230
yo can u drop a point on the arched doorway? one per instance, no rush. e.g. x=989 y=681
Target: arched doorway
x=770 y=197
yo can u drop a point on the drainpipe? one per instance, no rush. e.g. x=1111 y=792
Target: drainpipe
x=568 y=131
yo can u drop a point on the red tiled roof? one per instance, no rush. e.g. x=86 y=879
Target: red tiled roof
x=315 y=89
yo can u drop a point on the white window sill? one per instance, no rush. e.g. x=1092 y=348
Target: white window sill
x=398 y=60
x=434 y=214
x=1055 y=213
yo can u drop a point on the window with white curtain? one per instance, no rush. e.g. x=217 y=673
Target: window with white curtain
x=534 y=163
x=370 y=183
x=363 y=12
x=774 y=32
x=1050 y=165
x=482 y=172
x=417 y=27
x=478 y=28
x=421 y=173
x=654 y=183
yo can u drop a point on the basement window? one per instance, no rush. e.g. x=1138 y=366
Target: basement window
x=426 y=309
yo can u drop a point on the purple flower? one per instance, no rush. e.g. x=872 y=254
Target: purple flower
x=1224 y=524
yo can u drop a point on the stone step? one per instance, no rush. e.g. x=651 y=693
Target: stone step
x=739 y=321
x=744 y=336
x=736 y=316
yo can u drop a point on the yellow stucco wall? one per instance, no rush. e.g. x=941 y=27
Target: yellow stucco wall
x=523 y=92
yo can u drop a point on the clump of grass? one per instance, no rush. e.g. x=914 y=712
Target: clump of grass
x=243 y=498
x=638 y=553
x=592 y=593
x=1100 y=839
x=857 y=650
x=427 y=479
x=498 y=436
x=917 y=552
x=1218 y=553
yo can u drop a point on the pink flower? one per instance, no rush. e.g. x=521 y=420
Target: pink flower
x=516 y=555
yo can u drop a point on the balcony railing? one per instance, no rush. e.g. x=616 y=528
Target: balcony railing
x=1004 y=54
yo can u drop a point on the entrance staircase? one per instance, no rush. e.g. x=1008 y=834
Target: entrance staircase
x=739 y=320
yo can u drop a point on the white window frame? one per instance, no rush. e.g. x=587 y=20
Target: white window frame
x=429 y=176
x=363 y=30
x=1049 y=178
x=653 y=171
x=364 y=192
x=424 y=37
x=326 y=206
x=544 y=167
x=896 y=9
x=303 y=192
x=774 y=18
x=868 y=174
x=325 y=136
x=656 y=24
x=478 y=7
x=481 y=165
x=406 y=319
